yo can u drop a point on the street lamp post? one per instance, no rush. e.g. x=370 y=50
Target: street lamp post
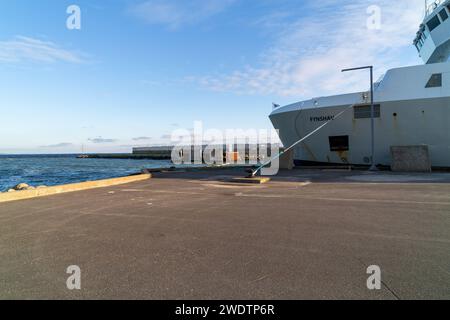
x=373 y=167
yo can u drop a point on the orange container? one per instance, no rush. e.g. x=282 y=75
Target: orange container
x=233 y=156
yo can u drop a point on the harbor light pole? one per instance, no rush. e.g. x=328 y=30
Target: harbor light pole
x=373 y=167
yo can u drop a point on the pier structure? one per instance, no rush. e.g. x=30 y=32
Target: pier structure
x=194 y=234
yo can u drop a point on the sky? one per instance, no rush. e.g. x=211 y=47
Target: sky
x=139 y=69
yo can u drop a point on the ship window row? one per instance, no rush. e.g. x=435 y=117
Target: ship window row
x=432 y=24
x=435 y=21
x=443 y=14
x=420 y=40
x=365 y=111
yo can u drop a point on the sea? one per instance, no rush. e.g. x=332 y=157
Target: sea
x=51 y=170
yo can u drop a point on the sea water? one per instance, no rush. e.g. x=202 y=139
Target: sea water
x=50 y=170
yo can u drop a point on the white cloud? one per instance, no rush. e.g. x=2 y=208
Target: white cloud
x=59 y=145
x=100 y=140
x=21 y=49
x=309 y=53
x=141 y=138
x=166 y=136
x=175 y=13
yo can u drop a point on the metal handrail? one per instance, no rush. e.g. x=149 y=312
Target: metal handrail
x=430 y=7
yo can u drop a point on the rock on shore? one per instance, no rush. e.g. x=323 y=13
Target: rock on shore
x=23 y=187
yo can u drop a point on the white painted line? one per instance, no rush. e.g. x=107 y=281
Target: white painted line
x=248 y=195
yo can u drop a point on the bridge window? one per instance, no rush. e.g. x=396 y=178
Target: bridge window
x=433 y=23
x=443 y=14
x=435 y=81
x=364 y=112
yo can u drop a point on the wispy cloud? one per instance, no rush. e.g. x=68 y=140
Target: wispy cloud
x=166 y=136
x=308 y=53
x=142 y=138
x=20 y=49
x=102 y=140
x=59 y=145
x=175 y=13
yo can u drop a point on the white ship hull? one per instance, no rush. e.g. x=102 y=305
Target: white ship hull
x=410 y=113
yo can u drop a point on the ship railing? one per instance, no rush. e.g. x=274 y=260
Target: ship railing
x=430 y=6
x=380 y=80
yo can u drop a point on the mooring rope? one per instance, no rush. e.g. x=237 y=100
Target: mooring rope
x=301 y=140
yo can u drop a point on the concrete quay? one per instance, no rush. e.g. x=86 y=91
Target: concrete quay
x=306 y=234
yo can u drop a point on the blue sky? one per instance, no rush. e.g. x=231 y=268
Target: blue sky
x=138 y=69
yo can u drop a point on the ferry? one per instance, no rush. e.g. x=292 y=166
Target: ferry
x=411 y=108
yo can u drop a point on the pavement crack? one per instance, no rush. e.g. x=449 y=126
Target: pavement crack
x=260 y=278
x=390 y=290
